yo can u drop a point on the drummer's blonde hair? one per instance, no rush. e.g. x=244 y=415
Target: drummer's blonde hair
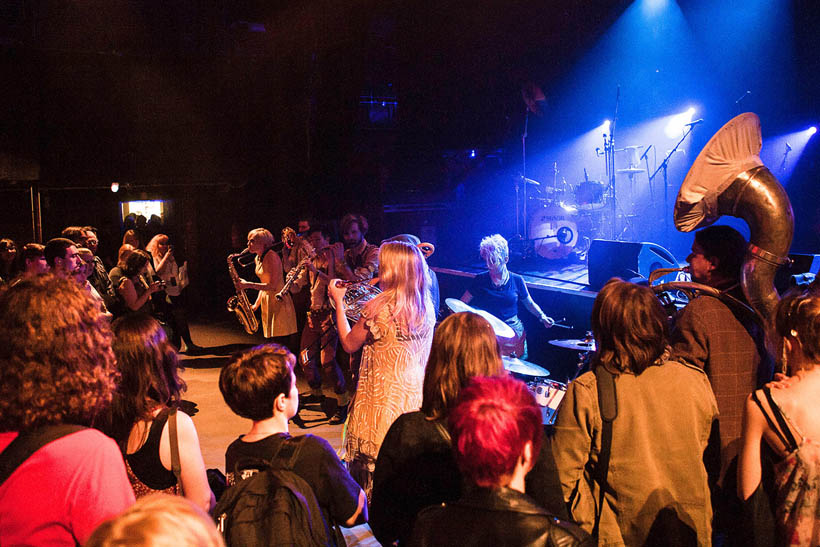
x=494 y=248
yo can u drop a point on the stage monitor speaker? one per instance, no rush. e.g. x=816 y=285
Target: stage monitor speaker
x=625 y=259
x=801 y=271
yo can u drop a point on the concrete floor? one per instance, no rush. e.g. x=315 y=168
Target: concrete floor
x=218 y=426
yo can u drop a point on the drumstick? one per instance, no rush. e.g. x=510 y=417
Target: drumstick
x=557 y=324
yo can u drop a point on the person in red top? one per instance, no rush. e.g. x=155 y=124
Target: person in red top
x=57 y=367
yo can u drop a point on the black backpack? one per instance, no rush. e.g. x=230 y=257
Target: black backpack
x=275 y=506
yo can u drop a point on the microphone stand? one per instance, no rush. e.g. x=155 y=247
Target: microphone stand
x=785 y=156
x=519 y=180
x=665 y=166
x=645 y=157
x=737 y=102
x=610 y=159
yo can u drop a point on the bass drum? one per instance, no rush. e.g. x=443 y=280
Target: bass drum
x=554 y=230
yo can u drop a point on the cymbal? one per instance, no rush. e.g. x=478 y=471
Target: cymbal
x=577 y=345
x=633 y=147
x=519 y=366
x=630 y=171
x=500 y=328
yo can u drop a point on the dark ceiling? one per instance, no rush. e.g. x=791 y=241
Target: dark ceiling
x=206 y=90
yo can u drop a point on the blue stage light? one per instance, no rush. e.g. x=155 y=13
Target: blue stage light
x=653 y=7
x=472 y=153
x=812 y=130
x=677 y=123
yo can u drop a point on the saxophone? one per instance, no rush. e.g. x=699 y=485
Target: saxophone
x=239 y=303
x=296 y=271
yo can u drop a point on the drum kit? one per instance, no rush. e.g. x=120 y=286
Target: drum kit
x=548 y=393
x=564 y=218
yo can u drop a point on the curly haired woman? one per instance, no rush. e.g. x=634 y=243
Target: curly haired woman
x=56 y=368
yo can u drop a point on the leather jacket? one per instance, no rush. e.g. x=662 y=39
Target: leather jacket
x=497 y=517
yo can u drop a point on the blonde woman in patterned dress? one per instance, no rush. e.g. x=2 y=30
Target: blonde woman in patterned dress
x=396 y=331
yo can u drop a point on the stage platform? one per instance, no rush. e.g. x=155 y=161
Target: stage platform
x=562 y=277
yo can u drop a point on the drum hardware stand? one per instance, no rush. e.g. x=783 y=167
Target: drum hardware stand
x=665 y=166
x=584 y=357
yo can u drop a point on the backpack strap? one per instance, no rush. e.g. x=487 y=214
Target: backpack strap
x=174 y=439
x=608 y=404
x=288 y=453
x=27 y=443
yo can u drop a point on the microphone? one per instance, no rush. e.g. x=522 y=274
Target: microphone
x=694 y=123
x=743 y=96
x=645 y=152
x=788 y=147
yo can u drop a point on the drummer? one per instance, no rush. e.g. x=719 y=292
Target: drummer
x=499 y=291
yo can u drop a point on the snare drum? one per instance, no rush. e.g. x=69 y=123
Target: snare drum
x=548 y=395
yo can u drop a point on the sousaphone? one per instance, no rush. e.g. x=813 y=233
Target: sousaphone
x=728 y=178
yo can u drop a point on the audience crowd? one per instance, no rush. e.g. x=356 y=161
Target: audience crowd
x=677 y=434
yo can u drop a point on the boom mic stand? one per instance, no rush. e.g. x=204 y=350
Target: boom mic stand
x=785 y=157
x=665 y=166
x=518 y=183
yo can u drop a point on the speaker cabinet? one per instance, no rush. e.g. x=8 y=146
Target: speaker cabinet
x=791 y=275
x=625 y=259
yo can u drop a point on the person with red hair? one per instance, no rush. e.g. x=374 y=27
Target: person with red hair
x=496 y=434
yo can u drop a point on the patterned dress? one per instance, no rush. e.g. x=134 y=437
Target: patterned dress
x=390 y=384
x=797 y=480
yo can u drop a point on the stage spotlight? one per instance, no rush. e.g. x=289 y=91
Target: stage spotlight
x=653 y=7
x=812 y=130
x=472 y=153
x=677 y=123
x=115 y=187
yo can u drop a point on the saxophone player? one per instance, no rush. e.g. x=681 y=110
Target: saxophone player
x=278 y=316
x=319 y=337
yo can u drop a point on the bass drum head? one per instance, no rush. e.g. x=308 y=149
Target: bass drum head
x=554 y=231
